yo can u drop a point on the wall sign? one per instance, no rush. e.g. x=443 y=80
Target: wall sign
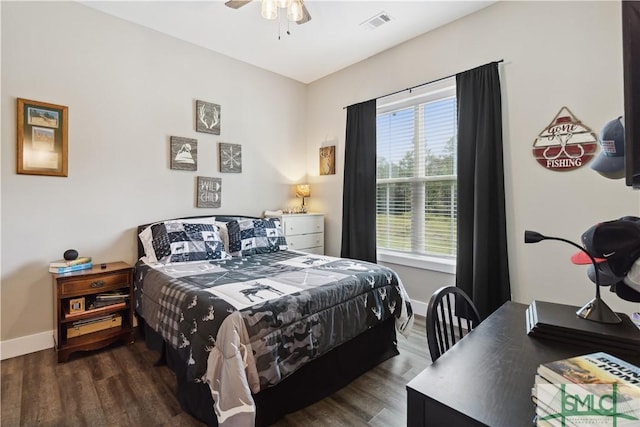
x=209 y=192
x=566 y=144
x=207 y=117
x=230 y=158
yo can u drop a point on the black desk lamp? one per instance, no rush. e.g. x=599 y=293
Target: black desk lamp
x=595 y=310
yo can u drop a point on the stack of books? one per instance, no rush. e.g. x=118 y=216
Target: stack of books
x=87 y=326
x=64 y=266
x=592 y=389
x=559 y=322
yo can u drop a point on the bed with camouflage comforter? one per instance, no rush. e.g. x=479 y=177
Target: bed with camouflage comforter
x=242 y=325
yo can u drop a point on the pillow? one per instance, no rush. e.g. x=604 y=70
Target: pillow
x=255 y=236
x=182 y=240
x=224 y=234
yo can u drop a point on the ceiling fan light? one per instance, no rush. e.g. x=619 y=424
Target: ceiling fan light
x=269 y=9
x=294 y=11
x=283 y=4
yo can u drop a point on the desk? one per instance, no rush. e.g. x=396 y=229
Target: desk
x=486 y=378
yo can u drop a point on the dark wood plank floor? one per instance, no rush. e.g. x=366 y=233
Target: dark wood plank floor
x=119 y=386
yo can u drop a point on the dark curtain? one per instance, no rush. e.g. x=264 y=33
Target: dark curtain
x=482 y=269
x=359 y=187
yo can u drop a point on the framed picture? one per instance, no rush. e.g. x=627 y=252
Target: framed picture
x=184 y=153
x=42 y=138
x=207 y=117
x=209 y=192
x=328 y=160
x=230 y=158
x=76 y=305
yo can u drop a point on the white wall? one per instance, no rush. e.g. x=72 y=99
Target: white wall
x=556 y=54
x=128 y=90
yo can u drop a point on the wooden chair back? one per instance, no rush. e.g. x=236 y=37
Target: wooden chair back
x=450 y=316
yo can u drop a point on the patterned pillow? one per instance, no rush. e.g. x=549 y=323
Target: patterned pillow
x=182 y=240
x=255 y=236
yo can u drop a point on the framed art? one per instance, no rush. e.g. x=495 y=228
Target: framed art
x=328 y=160
x=230 y=158
x=208 y=117
x=209 y=192
x=42 y=138
x=184 y=153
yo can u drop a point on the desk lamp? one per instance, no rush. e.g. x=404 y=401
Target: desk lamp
x=595 y=310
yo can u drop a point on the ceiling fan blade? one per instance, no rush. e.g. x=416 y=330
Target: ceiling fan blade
x=235 y=4
x=306 y=17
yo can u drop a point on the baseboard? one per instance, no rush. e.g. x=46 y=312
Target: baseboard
x=25 y=345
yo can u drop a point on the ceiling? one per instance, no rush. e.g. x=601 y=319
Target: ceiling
x=332 y=40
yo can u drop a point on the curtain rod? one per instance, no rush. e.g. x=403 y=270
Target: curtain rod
x=424 y=84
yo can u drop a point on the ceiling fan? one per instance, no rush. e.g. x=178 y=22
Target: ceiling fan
x=272 y=7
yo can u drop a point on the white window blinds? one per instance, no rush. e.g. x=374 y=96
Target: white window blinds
x=416 y=172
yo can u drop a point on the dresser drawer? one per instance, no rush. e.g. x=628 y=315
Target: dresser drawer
x=94 y=284
x=304 y=241
x=303 y=225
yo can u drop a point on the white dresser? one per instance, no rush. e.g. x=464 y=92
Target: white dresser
x=304 y=232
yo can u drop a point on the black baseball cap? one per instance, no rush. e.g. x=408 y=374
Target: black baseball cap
x=617 y=242
x=610 y=161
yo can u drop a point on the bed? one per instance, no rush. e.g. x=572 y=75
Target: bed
x=252 y=329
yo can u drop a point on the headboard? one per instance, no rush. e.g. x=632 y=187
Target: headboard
x=221 y=218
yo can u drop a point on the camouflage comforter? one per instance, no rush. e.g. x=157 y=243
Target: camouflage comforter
x=245 y=324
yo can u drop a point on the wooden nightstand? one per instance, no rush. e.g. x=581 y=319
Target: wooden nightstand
x=77 y=326
x=304 y=232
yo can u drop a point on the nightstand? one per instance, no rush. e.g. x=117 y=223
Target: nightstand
x=78 y=325
x=304 y=232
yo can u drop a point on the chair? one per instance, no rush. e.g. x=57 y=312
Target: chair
x=444 y=326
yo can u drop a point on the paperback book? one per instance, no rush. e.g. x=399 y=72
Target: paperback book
x=112 y=296
x=99 y=309
x=594 y=368
x=594 y=388
x=69 y=269
x=65 y=263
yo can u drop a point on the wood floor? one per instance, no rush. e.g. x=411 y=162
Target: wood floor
x=119 y=386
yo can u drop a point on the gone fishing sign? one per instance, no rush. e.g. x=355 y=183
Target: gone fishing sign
x=566 y=144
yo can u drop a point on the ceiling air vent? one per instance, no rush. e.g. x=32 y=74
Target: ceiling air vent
x=376 y=21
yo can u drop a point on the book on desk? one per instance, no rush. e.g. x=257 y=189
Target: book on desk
x=547 y=320
x=590 y=389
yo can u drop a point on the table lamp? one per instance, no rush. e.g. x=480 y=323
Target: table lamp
x=302 y=191
x=595 y=310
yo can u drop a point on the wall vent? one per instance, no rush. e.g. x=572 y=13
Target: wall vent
x=376 y=21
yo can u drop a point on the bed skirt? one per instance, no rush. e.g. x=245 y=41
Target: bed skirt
x=309 y=384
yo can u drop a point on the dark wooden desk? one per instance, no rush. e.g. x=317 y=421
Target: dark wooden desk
x=485 y=379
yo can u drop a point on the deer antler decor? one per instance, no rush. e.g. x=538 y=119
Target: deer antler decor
x=208 y=120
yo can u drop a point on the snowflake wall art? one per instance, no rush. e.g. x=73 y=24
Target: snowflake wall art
x=230 y=158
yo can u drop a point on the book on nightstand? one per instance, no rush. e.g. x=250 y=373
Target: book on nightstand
x=77 y=267
x=64 y=263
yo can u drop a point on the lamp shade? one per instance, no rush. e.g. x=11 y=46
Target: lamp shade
x=294 y=11
x=269 y=9
x=303 y=190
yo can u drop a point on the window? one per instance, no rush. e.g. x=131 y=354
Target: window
x=416 y=172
